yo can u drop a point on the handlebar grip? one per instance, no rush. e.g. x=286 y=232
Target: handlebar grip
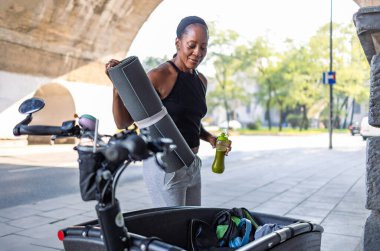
x=116 y=153
x=37 y=130
x=131 y=148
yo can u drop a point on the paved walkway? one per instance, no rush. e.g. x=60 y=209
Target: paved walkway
x=275 y=175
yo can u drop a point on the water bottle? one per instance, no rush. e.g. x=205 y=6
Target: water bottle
x=222 y=143
x=88 y=123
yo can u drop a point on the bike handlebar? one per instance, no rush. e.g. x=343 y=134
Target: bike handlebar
x=68 y=128
x=37 y=130
x=116 y=153
x=136 y=148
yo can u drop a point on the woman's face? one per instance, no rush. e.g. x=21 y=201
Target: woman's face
x=192 y=46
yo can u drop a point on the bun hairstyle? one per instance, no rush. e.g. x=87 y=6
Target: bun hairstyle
x=186 y=22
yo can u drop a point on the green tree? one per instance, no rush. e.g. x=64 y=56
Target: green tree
x=350 y=64
x=256 y=61
x=152 y=62
x=302 y=77
x=284 y=79
x=222 y=54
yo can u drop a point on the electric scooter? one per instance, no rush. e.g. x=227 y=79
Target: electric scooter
x=103 y=158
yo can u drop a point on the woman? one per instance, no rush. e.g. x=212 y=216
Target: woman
x=182 y=90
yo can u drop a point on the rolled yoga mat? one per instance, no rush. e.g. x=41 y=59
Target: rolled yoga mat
x=147 y=110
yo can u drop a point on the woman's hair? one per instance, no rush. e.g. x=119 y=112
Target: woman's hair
x=181 y=28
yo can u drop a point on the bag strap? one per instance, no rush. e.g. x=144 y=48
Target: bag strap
x=248 y=215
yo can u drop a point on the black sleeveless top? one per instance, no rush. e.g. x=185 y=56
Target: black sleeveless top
x=186 y=104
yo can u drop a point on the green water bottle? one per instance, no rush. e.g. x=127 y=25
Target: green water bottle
x=222 y=143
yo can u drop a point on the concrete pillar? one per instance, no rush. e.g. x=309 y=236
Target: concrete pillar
x=367 y=21
x=371 y=240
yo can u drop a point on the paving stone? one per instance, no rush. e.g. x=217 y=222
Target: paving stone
x=256 y=196
x=75 y=220
x=6 y=229
x=291 y=197
x=339 y=217
x=61 y=200
x=18 y=212
x=275 y=207
x=318 y=205
x=30 y=221
x=235 y=203
x=16 y=242
x=69 y=199
x=310 y=211
x=335 y=242
x=302 y=190
x=344 y=229
x=91 y=214
x=33 y=247
x=49 y=244
x=325 y=198
x=313 y=219
x=47 y=231
x=275 y=187
x=62 y=213
x=14 y=239
x=84 y=205
x=210 y=201
x=137 y=204
x=344 y=224
x=3 y=220
x=352 y=207
x=48 y=205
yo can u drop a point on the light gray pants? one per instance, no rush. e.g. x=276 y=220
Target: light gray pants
x=179 y=188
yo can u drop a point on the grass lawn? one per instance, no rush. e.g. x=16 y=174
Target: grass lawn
x=285 y=131
x=265 y=131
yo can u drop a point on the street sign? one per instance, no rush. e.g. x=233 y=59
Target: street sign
x=329 y=77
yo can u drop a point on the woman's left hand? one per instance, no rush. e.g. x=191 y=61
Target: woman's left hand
x=212 y=140
x=229 y=148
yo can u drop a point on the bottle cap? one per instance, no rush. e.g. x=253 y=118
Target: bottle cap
x=222 y=136
x=88 y=122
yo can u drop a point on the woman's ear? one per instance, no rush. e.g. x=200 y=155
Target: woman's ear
x=177 y=42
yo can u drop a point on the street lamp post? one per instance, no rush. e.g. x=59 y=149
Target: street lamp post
x=331 y=86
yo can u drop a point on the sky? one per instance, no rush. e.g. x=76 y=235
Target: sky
x=274 y=19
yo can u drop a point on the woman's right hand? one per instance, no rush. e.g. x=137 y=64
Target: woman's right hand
x=111 y=63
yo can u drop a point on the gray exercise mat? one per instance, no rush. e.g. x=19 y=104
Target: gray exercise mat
x=147 y=110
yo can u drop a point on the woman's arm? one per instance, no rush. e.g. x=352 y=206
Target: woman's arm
x=206 y=136
x=121 y=116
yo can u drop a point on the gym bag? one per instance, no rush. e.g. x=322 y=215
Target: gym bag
x=230 y=229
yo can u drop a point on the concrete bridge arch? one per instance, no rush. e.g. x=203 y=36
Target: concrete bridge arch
x=59 y=107
x=46 y=41
x=53 y=38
